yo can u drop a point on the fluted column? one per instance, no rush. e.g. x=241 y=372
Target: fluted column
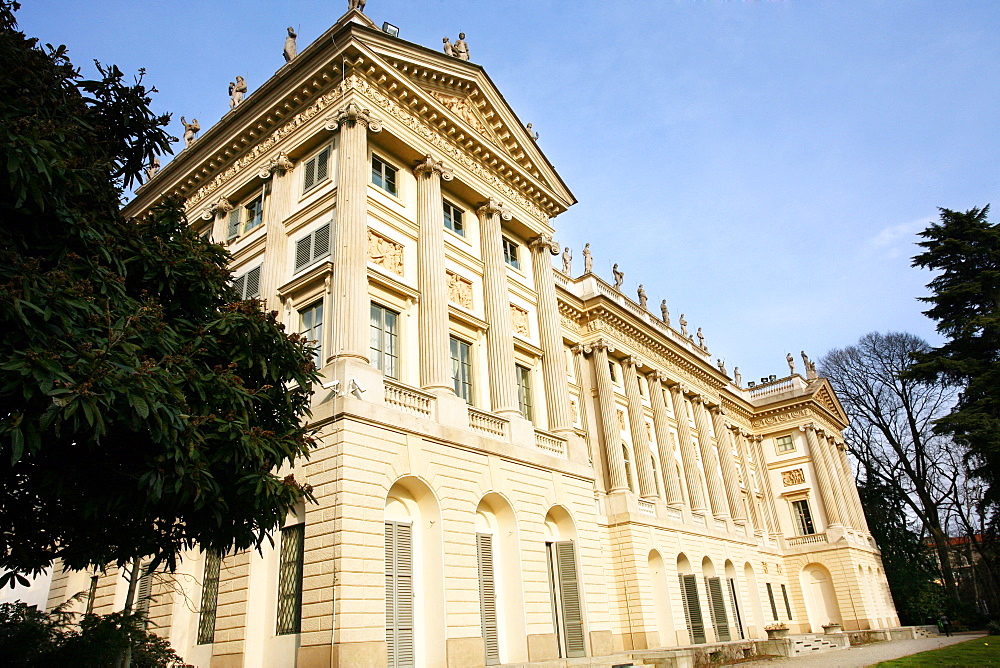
x=765 y=476
x=716 y=492
x=500 y=337
x=349 y=313
x=550 y=336
x=724 y=440
x=668 y=463
x=637 y=427
x=836 y=477
x=751 y=499
x=609 y=427
x=854 y=500
x=688 y=458
x=822 y=472
x=435 y=354
x=279 y=204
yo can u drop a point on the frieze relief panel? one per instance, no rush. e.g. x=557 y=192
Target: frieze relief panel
x=519 y=318
x=385 y=253
x=769 y=420
x=793 y=477
x=459 y=290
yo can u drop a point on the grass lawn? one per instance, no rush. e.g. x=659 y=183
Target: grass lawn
x=978 y=652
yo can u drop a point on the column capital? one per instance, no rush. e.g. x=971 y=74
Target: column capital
x=221 y=206
x=697 y=398
x=656 y=374
x=808 y=426
x=280 y=163
x=431 y=166
x=599 y=344
x=543 y=243
x=633 y=362
x=493 y=207
x=717 y=410
x=352 y=114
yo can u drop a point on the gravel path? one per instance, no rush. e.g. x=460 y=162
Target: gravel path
x=864 y=655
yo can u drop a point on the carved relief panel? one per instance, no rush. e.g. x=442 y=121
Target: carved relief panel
x=519 y=319
x=459 y=290
x=385 y=253
x=793 y=477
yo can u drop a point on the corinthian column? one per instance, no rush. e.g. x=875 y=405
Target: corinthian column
x=609 y=426
x=724 y=440
x=349 y=321
x=688 y=459
x=716 y=493
x=500 y=337
x=278 y=205
x=550 y=336
x=637 y=427
x=668 y=463
x=822 y=471
x=435 y=355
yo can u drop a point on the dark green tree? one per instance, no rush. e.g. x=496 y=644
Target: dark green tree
x=964 y=248
x=144 y=408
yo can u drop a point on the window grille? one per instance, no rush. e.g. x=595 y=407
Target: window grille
x=290 y=580
x=209 y=599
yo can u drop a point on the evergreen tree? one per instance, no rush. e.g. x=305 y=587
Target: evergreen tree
x=965 y=249
x=144 y=408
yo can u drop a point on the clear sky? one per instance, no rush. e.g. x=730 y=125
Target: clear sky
x=764 y=166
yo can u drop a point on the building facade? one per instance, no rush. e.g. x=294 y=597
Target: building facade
x=515 y=462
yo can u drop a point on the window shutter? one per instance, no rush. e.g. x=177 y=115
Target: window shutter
x=303 y=251
x=312 y=247
x=322 y=165
x=144 y=593
x=234 y=224
x=788 y=607
x=770 y=597
x=240 y=284
x=734 y=600
x=253 y=284
x=569 y=594
x=399 y=594
x=309 y=176
x=718 y=606
x=487 y=598
x=321 y=242
x=692 y=608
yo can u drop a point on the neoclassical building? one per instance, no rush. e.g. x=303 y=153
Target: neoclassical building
x=516 y=462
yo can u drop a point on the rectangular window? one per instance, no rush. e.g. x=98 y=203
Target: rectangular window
x=788 y=607
x=510 y=253
x=461 y=368
x=802 y=518
x=209 y=599
x=290 y=579
x=385 y=340
x=316 y=170
x=384 y=176
x=524 y=391
x=453 y=218
x=248 y=284
x=312 y=247
x=785 y=444
x=611 y=369
x=770 y=599
x=311 y=327
x=253 y=213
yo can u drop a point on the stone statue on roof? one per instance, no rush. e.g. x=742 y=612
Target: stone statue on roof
x=805 y=360
x=460 y=48
x=642 y=296
x=153 y=168
x=236 y=91
x=701 y=340
x=588 y=261
x=722 y=366
x=190 y=130
x=811 y=371
x=356 y=4
x=791 y=364
x=449 y=49
x=684 y=326
x=664 y=312
x=619 y=277
x=737 y=377
x=531 y=132
x=290 y=51
x=567 y=260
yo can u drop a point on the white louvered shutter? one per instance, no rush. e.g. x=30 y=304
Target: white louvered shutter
x=252 y=289
x=569 y=595
x=233 y=228
x=770 y=598
x=312 y=247
x=144 y=593
x=399 y=594
x=309 y=175
x=322 y=165
x=487 y=598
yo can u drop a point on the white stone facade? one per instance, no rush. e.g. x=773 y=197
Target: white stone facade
x=599 y=456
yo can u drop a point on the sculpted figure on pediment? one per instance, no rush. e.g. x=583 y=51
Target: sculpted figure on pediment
x=449 y=50
x=190 y=130
x=461 y=107
x=460 y=48
x=793 y=477
x=290 y=50
x=236 y=92
x=356 y=4
x=153 y=168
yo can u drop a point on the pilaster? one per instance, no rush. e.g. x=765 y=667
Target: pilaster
x=279 y=203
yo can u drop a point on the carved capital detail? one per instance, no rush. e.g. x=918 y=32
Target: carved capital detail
x=656 y=374
x=281 y=163
x=493 y=207
x=431 y=166
x=599 y=344
x=352 y=114
x=221 y=206
x=542 y=243
x=633 y=362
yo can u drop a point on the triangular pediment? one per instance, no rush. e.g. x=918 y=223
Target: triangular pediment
x=826 y=398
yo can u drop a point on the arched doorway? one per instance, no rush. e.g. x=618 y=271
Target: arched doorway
x=756 y=626
x=821 y=599
x=661 y=599
x=565 y=588
x=692 y=601
x=501 y=594
x=716 y=601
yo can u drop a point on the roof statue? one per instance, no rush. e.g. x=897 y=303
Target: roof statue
x=701 y=340
x=460 y=48
x=449 y=50
x=737 y=377
x=722 y=366
x=805 y=360
x=684 y=326
x=791 y=364
x=588 y=261
x=567 y=260
x=289 y=51
x=236 y=92
x=664 y=312
x=356 y=4
x=619 y=277
x=811 y=371
x=153 y=168
x=190 y=130
x=534 y=135
x=642 y=296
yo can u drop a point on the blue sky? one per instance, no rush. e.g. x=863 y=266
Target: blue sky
x=764 y=166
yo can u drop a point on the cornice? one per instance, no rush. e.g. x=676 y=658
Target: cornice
x=806 y=409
